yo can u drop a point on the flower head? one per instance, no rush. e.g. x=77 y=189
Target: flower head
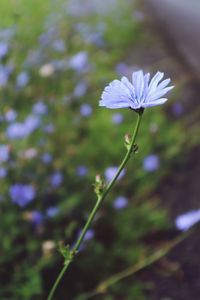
x=22 y=194
x=187 y=220
x=139 y=94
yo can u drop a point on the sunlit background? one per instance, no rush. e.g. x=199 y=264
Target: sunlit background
x=56 y=57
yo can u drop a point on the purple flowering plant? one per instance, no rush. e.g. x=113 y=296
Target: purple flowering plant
x=137 y=95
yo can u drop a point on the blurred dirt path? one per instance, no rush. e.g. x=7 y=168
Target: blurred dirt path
x=180 y=19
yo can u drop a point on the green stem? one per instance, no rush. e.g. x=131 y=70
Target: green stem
x=96 y=207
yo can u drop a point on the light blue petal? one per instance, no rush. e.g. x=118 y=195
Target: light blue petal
x=163 y=84
x=158 y=94
x=115 y=95
x=138 y=83
x=154 y=82
x=146 y=82
x=154 y=103
x=127 y=83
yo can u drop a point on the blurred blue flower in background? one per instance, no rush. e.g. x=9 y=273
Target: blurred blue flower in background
x=85 y=110
x=58 y=45
x=36 y=217
x=79 y=62
x=22 y=194
x=16 y=131
x=120 y=202
x=49 y=128
x=177 y=109
x=187 y=220
x=121 y=68
x=22 y=79
x=4 y=75
x=10 y=115
x=4 y=153
x=138 y=94
x=3 y=49
x=40 y=108
x=89 y=235
x=82 y=171
x=52 y=211
x=46 y=158
x=151 y=163
x=3 y=172
x=56 y=179
x=31 y=123
x=110 y=172
x=80 y=89
x=117 y=118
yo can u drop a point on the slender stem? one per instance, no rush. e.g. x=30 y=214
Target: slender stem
x=96 y=207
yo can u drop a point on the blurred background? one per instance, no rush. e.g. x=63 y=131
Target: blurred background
x=56 y=57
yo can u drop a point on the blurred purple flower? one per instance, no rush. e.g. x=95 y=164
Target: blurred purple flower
x=30 y=153
x=3 y=172
x=52 y=211
x=22 y=194
x=80 y=89
x=46 y=158
x=16 y=131
x=120 y=202
x=121 y=68
x=10 y=115
x=138 y=94
x=56 y=179
x=187 y=220
x=31 y=123
x=117 y=118
x=36 y=217
x=4 y=75
x=89 y=235
x=58 y=45
x=22 y=79
x=177 y=109
x=3 y=49
x=82 y=171
x=40 y=108
x=85 y=110
x=110 y=172
x=49 y=128
x=79 y=62
x=4 y=153
x=151 y=163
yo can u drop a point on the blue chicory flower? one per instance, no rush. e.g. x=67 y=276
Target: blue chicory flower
x=4 y=153
x=187 y=220
x=22 y=79
x=52 y=211
x=36 y=217
x=82 y=171
x=56 y=179
x=46 y=158
x=22 y=194
x=40 y=108
x=117 y=118
x=3 y=172
x=110 y=172
x=151 y=163
x=10 y=115
x=16 y=131
x=139 y=94
x=120 y=202
x=3 y=49
x=85 y=110
x=79 y=62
